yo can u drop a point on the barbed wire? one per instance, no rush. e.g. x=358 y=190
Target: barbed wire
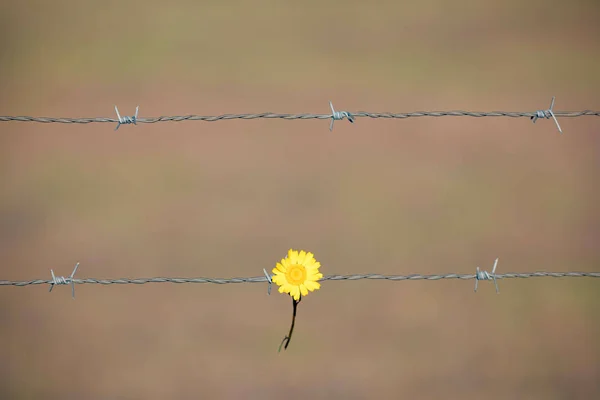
x=478 y=276
x=335 y=115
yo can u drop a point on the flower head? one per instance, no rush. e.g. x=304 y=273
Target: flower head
x=297 y=274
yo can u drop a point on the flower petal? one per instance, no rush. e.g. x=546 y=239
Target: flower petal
x=279 y=268
x=312 y=270
x=312 y=286
x=301 y=257
x=313 y=275
x=279 y=279
x=295 y=292
x=303 y=289
x=292 y=256
x=310 y=258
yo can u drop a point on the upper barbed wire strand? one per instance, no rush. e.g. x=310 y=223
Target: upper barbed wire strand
x=270 y=115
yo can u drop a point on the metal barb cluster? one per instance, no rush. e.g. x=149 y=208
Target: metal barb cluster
x=338 y=115
x=485 y=276
x=547 y=114
x=126 y=120
x=268 y=280
x=61 y=280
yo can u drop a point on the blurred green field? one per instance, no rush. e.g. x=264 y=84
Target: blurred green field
x=226 y=199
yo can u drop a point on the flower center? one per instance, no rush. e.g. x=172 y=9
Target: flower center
x=296 y=274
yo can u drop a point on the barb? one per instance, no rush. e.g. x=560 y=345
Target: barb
x=338 y=115
x=268 y=280
x=61 y=280
x=484 y=275
x=547 y=114
x=126 y=120
x=262 y=279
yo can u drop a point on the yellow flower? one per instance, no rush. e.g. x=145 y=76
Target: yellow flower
x=297 y=274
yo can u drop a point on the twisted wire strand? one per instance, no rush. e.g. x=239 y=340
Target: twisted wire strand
x=270 y=115
x=261 y=279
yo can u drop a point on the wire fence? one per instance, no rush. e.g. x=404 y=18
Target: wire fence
x=266 y=278
x=333 y=116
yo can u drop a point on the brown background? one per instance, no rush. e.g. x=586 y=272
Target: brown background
x=225 y=199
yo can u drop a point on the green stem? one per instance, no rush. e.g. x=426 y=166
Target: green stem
x=287 y=339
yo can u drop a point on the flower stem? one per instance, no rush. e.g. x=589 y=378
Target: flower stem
x=287 y=339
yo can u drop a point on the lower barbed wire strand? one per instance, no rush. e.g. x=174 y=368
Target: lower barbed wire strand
x=260 y=279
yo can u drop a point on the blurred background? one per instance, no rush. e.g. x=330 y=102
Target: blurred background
x=229 y=198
